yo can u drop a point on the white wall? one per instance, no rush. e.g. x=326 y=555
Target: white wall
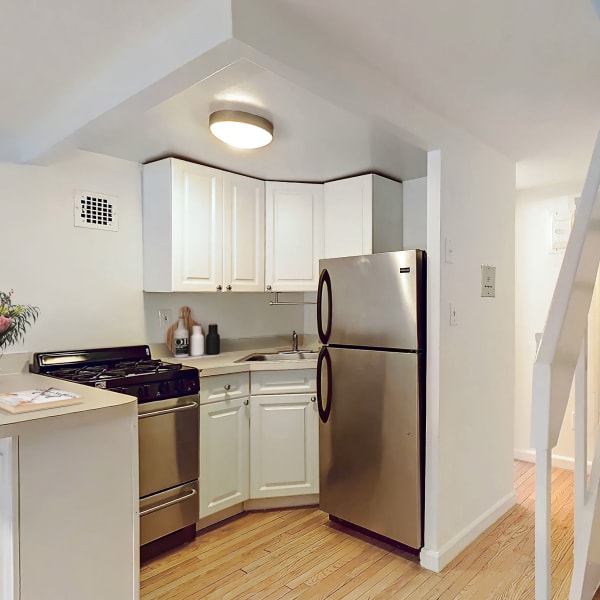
x=536 y=271
x=87 y=283
x=469 y=478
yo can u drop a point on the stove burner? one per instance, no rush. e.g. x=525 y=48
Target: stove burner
x=84 y=376
x=128 y=370
x=113 y=373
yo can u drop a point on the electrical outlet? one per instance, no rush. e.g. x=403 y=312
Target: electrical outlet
x=165 y=318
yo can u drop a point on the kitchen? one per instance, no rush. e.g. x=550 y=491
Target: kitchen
x=92 y=295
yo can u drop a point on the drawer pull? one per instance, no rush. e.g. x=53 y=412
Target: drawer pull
x=227 y=387
x=147 y=511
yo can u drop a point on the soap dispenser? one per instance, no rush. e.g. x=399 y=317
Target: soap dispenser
x=181 y=340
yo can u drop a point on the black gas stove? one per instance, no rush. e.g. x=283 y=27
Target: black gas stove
x=128 y=370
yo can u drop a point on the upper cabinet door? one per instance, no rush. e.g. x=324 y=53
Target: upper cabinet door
x=243 y=233
x=294 y=236
x=183 y=227
x=197 y=228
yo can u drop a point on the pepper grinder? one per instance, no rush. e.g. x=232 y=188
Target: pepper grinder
x=213 y=340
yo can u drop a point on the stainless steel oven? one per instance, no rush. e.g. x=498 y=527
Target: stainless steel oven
x=168 y=455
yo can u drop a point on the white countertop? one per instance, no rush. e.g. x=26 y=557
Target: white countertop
x=224 y=363
x=93 y=398
x=96 y=398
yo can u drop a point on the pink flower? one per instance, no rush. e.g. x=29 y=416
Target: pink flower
x=4 y=323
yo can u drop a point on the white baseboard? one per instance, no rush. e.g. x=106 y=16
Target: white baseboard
x=282 y=502
x=436 y=560
x=558 y=461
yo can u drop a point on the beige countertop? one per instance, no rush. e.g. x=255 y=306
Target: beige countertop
x=224 y=363
x=93 y=398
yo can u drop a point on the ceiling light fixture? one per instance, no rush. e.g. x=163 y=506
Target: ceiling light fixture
x=241 y=129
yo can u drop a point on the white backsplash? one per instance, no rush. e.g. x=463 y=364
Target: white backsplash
x=238 y=315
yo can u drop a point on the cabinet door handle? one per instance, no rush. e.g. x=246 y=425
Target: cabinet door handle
x=227 y=387
x=313 y=399
x=246 y=402
x=268 y=288
x=219 y=288
x=228 y=288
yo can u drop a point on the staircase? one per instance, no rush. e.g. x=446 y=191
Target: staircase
x=561 y=361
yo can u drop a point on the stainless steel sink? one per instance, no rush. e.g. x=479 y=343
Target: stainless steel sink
x=287 y=355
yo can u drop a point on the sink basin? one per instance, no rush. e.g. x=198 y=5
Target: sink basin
x=279 y=356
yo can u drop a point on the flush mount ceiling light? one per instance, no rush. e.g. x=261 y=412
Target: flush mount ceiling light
x=241 y=129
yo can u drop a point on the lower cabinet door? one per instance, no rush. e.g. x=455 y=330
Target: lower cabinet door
x=284 y=445
x=224 y=462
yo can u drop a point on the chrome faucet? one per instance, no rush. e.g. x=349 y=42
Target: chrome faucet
x=294 y=342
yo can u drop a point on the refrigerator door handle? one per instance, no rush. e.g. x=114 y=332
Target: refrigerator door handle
x=324 y=281
x=324 y=411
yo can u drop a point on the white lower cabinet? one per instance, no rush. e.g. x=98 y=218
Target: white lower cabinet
x=257 y=446
x=284 y=445
x=223 y=455
x=224 y=441
x=9 y=520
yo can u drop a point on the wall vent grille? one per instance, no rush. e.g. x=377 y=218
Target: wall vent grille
x=96 y=211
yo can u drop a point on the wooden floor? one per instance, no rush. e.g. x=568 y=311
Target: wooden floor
x=299 y=553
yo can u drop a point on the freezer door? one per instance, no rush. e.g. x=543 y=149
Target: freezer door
x=370 y=445
x=375 y=301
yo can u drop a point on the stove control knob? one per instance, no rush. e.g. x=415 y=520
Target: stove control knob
x=143 y=391
x=163 y=387
x=180 y=386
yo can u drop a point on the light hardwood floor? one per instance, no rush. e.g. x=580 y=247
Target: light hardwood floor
x=300 y=554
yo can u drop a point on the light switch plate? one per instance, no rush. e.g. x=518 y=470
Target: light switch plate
x=448 y=251
x=453 y=321
x=488 y=281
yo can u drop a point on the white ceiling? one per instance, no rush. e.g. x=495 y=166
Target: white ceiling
x=137 y=79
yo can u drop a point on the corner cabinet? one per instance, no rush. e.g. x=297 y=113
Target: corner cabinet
x=203 y=229
x=284 y=434
x=294 y=236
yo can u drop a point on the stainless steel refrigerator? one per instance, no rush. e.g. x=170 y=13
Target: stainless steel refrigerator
x=370 y=392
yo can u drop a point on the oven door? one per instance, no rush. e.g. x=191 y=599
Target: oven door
x=168 y=443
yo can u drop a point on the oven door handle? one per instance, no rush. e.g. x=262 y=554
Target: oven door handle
x=167 y=411
x=190 y=494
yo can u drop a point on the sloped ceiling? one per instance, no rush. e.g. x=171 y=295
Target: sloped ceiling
x=341 y=81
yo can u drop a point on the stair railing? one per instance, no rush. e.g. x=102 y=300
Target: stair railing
x=554 y=370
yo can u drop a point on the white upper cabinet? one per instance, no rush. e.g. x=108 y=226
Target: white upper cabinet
x=207 y=230
x=294 y=236
x=243 y=233
x=362 y=215
x=203 y=229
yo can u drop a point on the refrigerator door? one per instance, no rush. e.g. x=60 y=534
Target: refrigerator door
x=375 y=301
x=370 y=446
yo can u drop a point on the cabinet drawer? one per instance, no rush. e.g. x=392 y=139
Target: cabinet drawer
x=290 y=381
x=223 y=387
